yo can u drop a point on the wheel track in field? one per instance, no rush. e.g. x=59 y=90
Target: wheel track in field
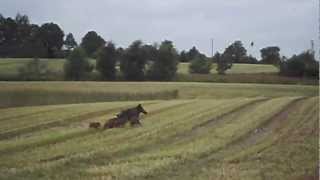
x=74 y=135
x=209 y=123
x=266 y=129
x=210 y=157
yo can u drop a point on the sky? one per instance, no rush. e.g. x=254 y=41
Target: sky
x=289 y=24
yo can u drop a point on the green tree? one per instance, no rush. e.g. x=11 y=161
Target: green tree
x=193 y=53
x=70 y=42
x=224 y=62
x=150 y=51
x=236 y=52
x=183 y=57
x=165 y=66
x=200 y=65
x=91 y=42
x=8 y=37
x=133 y=62
x=302 y=65
x=270 y=55
x=77 y=65
x=52 y=38
x=106 y=62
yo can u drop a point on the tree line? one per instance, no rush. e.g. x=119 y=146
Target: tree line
x=20 y=38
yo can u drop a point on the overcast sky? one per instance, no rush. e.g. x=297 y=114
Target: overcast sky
x=289 y=24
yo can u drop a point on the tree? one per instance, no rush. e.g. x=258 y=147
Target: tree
x=183 y=57
x=8 y=37
x=106 y=62
x=200 y=65
x=224 y=62
x=216 y=57
x=165 y=66
x=19 y=38
x=270 y=55
x=52 y=38
x=150 y=51
x=302 y=65
x=133 y=62
x=70 y=42
x=193 y=53
x=236 y=52
x=91 y=42
x=77 y=65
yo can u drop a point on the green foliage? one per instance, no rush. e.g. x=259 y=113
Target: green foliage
x=133 y=62
x=34 y=70
x=151 y=52
x=190 y=55
x=70 y=42
x=106 y=62
x=302 y=65
x=270 y=55
x=77 y=65
x=165 y=66
x=91 y=42
x=183 y=57
x=200 y=66
x=236 y=52
x=224 y=62
x=51 y=36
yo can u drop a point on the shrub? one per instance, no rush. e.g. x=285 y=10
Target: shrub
x=224 y=62
x=164 y=67
x=77 y=65
x=106 y=62
x=302 y=65
x=200 y=66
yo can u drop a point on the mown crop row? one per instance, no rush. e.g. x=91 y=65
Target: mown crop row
x=179 y=139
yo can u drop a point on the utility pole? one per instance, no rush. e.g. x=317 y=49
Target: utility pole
x=312 y=48
x=211 y=47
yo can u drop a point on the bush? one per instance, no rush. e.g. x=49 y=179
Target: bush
x=133 y=61
x=224 y=62
x=200 y=66
x=77 y=65
x=164 y=67
x=302 y=65
x=34 y=70
x=106 y=62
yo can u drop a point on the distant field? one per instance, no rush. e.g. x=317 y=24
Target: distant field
x=11 y=66
x=45 y=93
x=227 y=139
x=240 y=73
x=236 y=69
